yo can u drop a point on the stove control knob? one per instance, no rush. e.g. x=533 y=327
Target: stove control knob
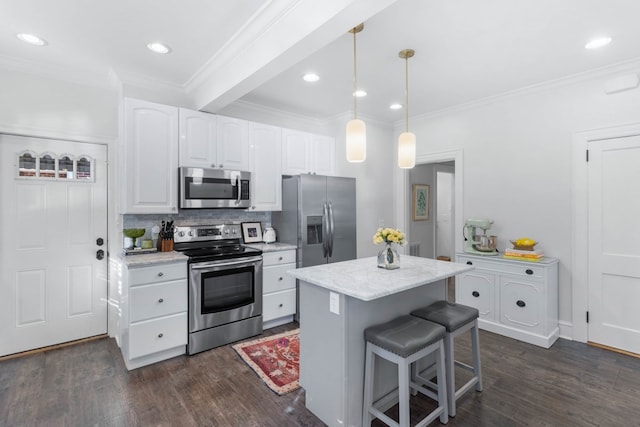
x=226 y=231
x=181 y=233
x=191 y=233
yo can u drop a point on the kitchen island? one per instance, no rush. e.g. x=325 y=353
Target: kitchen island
x=337 y=303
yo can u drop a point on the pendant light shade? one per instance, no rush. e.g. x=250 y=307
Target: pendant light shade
x=407 y=140
x=356 y=138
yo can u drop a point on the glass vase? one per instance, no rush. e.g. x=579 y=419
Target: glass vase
x=388 y=257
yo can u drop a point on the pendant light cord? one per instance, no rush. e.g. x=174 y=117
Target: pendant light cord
x=355 y=73
x=406 y=91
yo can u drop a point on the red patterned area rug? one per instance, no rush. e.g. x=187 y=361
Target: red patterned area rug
x=275 y=359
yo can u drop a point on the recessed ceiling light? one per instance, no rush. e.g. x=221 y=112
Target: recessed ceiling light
x=360 y=93
x=598 y=42
x=395 y=106
x=158 y=47
x=311 y=77
x=32 y=39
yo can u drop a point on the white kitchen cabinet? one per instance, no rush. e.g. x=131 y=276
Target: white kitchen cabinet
x=518 y=299
x=278 y=288
x=303 y=152
x=198 y=139
x=212 y=141
x=154 y=313
x=233 y=143
x=149 y=159
x=265 y=152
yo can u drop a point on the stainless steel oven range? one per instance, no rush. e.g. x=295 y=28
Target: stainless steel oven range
x=225 y=285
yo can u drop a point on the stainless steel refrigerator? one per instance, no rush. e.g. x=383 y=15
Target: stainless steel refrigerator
x=319 y=217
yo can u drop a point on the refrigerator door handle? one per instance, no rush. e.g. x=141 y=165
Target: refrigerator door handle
x=331 y=230
x=325 y=230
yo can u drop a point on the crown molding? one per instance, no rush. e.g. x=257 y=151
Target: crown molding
x=40 y=132
x=252 y=107
x=93 y=78
x=608 y=70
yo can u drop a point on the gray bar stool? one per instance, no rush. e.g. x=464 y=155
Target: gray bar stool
x=457 y=319
x=403 y=341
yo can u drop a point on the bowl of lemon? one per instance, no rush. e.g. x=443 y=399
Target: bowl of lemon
x=524 y=244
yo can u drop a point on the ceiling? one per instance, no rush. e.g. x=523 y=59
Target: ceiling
x=466 y=50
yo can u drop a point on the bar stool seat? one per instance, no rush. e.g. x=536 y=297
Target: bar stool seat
x=403 y=341
x=457 y=319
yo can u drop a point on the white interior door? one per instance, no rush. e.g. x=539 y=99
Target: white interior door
x=614 y=243
x=445 y=214
x=53 y=210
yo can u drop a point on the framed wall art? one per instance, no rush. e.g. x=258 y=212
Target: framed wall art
x=420 y=202
x=252 y=232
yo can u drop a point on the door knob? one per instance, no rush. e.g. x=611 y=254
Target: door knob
x=99 y=241
x=100 y=255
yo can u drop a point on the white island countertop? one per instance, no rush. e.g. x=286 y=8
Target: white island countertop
x=362 y=279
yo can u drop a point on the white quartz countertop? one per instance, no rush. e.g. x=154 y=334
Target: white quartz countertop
x=362 y=279
x=144 y=260
x=272 y=247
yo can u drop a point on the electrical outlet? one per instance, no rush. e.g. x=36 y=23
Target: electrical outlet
x=334 y=303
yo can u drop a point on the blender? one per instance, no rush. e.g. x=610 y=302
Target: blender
x=476 y=243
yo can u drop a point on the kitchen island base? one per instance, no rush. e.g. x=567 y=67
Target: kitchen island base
x=332 y=347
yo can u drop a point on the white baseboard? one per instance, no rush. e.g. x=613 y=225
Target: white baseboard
x=566 y=330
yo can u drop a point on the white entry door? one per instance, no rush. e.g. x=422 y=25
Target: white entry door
x=614 y=243
x=53 y=210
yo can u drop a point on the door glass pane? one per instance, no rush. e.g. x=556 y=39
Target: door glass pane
x=47 y=166
x=26 y=165
x=84 y=168
x=227 y=289
x=65 y=167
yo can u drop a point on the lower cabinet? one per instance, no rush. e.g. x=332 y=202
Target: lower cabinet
x=279 y=289
x=518 y=299
x=154 y=313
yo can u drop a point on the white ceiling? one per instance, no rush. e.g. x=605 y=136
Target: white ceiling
x=465 y=49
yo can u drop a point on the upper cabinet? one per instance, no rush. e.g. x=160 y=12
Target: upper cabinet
x=211 y=141
x=304 y=153
x=265 y=152
x=198 y=136
x=149 y=161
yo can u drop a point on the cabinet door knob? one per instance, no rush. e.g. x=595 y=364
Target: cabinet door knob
x=280 y=279
x=160 y=274
x=280 y=305
x=280 y=259
x=520 y=303
x=469 y=263
x=528 y=271
x=475 y=294
x=221 y=165
x=161 y=300
x=160 y=335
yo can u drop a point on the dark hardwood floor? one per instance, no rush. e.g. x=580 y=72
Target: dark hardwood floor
x=571 y=384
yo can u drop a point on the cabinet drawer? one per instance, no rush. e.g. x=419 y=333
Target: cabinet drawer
x=477 y=290
x=278 y=304
x=152 y=336
x=516 y=268
x=157 y=273
x=148 y=301
x=280 y=257
x=520 y=305
x=275 y=278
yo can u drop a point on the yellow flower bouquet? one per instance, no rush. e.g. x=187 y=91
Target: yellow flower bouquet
x=389 y=235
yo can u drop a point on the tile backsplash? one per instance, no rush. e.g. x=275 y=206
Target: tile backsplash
x=195 y=216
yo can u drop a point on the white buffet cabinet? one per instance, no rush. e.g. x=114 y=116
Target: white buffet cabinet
x=518 y=299
x=153 y=320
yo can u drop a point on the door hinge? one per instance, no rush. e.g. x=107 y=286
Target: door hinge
x=587 y=317
x=587 y=155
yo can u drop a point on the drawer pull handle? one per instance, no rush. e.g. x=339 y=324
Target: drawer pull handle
x=280 y=259
x=280 y=305
x=528 y=271
x=469 y=263
x=280 y=279
x=475 y=294
x=160 y=335
x=520 y=303
x=161 y=300
x=160 y=274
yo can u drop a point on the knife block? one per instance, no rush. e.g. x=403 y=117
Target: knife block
x=165 y=245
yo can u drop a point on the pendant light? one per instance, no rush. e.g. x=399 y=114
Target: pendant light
x=407 y=140
x=356 y=141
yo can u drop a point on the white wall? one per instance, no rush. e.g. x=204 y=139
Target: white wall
x=517 y=159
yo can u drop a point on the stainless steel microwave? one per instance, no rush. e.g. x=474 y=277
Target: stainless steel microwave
x=202 y=188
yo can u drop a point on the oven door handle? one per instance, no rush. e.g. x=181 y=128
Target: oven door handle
x=203 y=265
